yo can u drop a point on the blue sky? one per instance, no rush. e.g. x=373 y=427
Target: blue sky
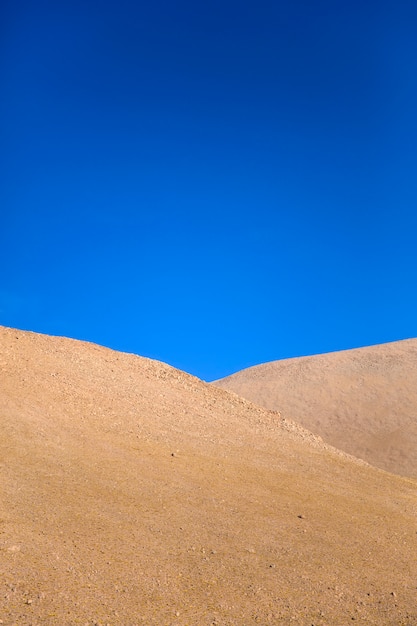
x=214 y=185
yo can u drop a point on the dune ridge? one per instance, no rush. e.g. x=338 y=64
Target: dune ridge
x=133 y=493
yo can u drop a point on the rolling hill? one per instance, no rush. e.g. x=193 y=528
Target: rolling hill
x=363 y=401
x=133 y=493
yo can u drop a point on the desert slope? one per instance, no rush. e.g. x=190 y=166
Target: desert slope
x=133 y=493
x=363 y=401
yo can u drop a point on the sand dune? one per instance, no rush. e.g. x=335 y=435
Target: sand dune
x=133 y=493
x=363 y=401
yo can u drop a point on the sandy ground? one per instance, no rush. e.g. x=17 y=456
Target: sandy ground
x=133 y=493
x=362 y=401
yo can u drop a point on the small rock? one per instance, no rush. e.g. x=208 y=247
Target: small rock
x=300 y=516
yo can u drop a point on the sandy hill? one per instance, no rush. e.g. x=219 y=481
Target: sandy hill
x=133 y=493
x=363 y=401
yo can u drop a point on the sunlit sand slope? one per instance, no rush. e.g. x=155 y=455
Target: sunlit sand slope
x=362 y=401
x=133 y=493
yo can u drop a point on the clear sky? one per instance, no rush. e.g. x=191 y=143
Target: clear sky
x=212 y=184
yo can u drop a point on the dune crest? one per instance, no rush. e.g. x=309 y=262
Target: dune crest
x=133 y=493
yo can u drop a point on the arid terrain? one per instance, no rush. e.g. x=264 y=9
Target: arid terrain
x=363 y=401
x=133 y=493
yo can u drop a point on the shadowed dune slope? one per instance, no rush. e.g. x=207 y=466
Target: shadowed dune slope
x=133 y=493
x=363 y=401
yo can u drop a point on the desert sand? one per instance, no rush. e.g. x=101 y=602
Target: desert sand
x=133 y=493
x=363 y=401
